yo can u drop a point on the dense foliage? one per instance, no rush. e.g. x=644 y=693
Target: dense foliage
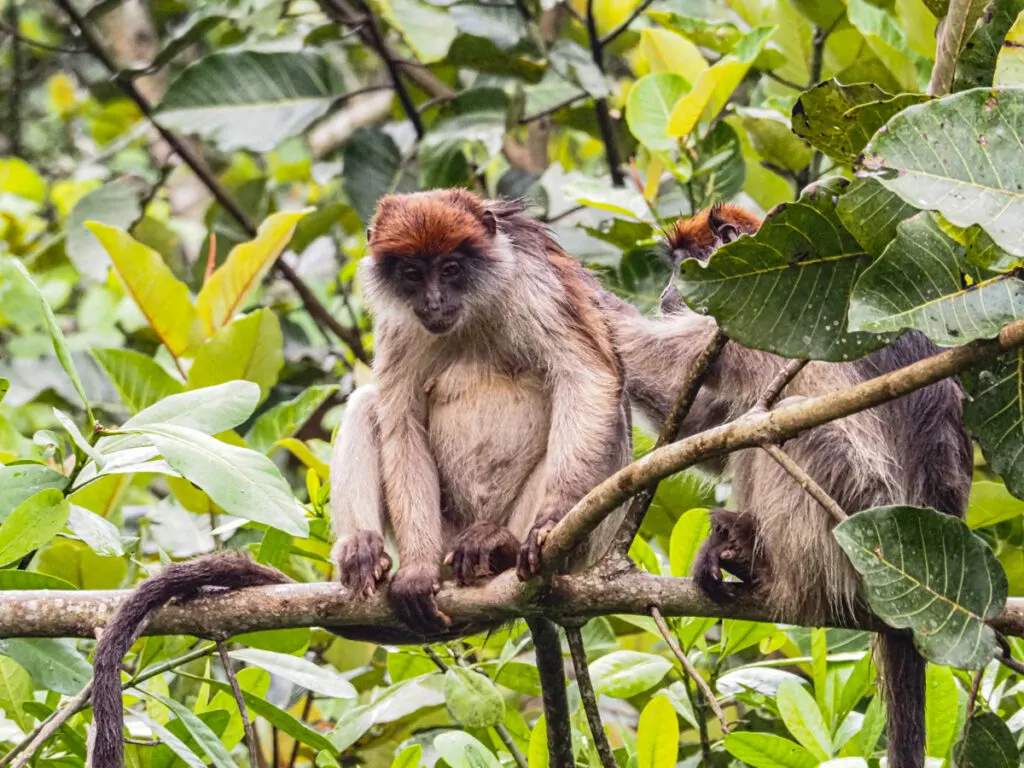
x=171 y=377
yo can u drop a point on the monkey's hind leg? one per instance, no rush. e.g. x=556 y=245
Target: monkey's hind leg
x=731 y=547
x=357 y=498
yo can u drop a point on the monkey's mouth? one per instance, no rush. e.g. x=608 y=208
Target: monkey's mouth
x=440 y=323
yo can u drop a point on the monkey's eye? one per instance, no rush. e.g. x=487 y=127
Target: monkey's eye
x=412 y=275
x=450 y=269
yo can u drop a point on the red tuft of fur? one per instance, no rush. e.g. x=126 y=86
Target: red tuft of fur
x=696 y=234
x=435 y=222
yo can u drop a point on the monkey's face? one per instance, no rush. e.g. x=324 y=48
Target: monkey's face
x=434 y=286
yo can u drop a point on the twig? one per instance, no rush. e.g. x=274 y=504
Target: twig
x=255 y=759
x=551 y=110
x=689 y=668
x=952 y=36
x=510 y=745
x=625 y=25
x=604 y=117
x=1010 y=662
x=813 y=169
x=787 y=373
x=553 y=686
x=669 y=431
x=312 y=304
x=49 y=726
x=435 y=657
x=14 y=93
x=806 y=481
x=783 y=81
x=972 y=695
x=563 y=214
x=579 y=662
x=7 y=29
x=306 y=709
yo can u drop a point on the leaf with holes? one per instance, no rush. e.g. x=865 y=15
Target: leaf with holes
x=977 y=63
x=840 y=120
x=786 y=289
x=986 y=743
x=249 y=99
x=919 y=282
x=962 y=156
x=925 y=571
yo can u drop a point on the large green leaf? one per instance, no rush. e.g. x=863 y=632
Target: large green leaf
x=657 y=735
x=770 y=135
x=977 y=63
x=1010 y=62
x=139 y=379
x=688 y=534
x=200 y=731
x=32 y=523
x=168 y=739
x=320 y=679
x=102 y=536
x=472 y=699
x=249 y=99
x=766 y=750
x=991 y=504
x=115 y=204
x=786 y=289
x=649 y=106
x=428 y=30
x=919 y=282
x=927 y=572
x=973 y=169
x=839 y=120
x=889 y=42
x=986 y=743
x=54 y=664
x=249 y=348
x=460 y=750
x=623 y=674
x=19 y=482
x=15 y=692
x=941 y=707
x=804 y=720
x=871 y=213
x=372 y=169
x=994 y=415
x=240 y=481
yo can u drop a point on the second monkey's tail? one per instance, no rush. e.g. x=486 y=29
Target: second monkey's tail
x=903 y=685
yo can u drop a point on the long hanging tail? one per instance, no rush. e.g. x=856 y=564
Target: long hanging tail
x=180 y=580
x=903 y=685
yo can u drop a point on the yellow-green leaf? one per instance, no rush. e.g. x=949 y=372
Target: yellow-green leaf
x=250 y=348
x=665 y=51
x=223 y=294
x=1010 y=62
x=657 y=736
x=537 y=753
x=163 y=299
x=302 y=452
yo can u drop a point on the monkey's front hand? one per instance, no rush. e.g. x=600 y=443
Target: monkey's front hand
x=529 y=554
x=411 y=595
x=482 y=551
x=362 y=562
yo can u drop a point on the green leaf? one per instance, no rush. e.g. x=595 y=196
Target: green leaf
x=738 y=634
x=250 y=348
x=160 y=296
x=472 y=699
x=839 y=120
x=4 y=386
x=623 y=202
x=168 y=739
x=798 y=271
x=765 y=750
x=688 y=534
x=552 y=91
x=11 y=578
x=372 y=168
x=657 y=735
x=249 y=99
x=649 y=105
x=1010 y=62
x=227 y=288
x=19 y=178
x=941 y=707
x=15 y=692
x=409 y=757
x=537 y=753
x=666 y=51
x=475 y=115
x=75 y=563
x=502 y=25
x=977 y=62
x=460 y=750
x=13 y=270
x=889 y=43
x=115 y=204
x=973 y=166
x=871 y=213
x=19 y=482
x=918 y=282
x=200 y=731
x=992 y=414
x=520 y=677
x=770 y=135
x=428 y=30
x=319 y=679
x=240 y=481
x=139 y=379
x=623 y=674
x=32 y=523
x=990 y=504
x=803 y=719
x=927 y=572
x=285 y=419
x=100 y=534
x=54 y=665
x=986 y=743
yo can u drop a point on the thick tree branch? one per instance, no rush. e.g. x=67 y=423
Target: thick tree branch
x=785 y=375
x=349 y=336
x=551 y=668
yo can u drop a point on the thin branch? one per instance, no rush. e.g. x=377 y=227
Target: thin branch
x=807 y=482
x=551 y=668
x=307 y=707
x=312 y=304
x=972 y=696
x=785 y=375
x=690 y=670
x=1010 y=662
x=604 y=116
x=781 y=80
x=563 y=214
x=557 y=108
x=255 y=759
x=510 y=745
x=7 y=29
x=436 y=658
x=579 y=662
x=14 y=92
x=952 y=36
x=669 y=431
x=625 y=25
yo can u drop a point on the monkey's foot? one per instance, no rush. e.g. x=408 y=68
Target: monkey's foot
x=411 y=595
x=730 y=547
x=362 y=562
x=529 y=553
x=482 y=551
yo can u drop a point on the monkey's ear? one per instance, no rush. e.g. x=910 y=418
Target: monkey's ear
x=369 y=233
x=723 y=231
x=489 y=221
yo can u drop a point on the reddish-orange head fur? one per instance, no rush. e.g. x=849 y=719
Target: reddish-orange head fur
x=701 y=234
x=430 y=223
